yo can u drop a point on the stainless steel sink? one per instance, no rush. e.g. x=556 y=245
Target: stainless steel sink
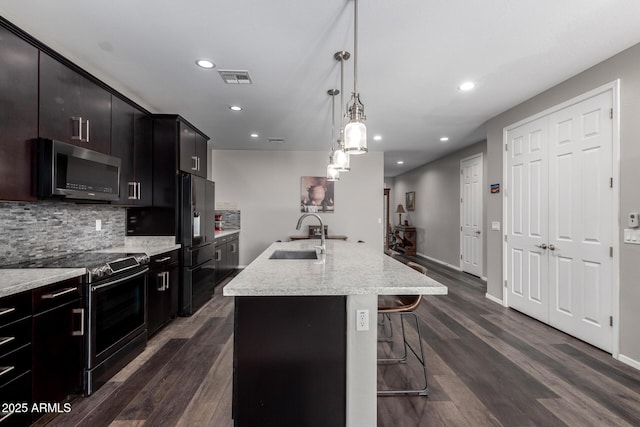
x=282 y=254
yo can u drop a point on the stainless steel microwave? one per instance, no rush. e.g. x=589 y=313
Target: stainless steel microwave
x=68 y=171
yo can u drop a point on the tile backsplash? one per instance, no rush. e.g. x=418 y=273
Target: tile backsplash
x=42 y=229
x=231 y=218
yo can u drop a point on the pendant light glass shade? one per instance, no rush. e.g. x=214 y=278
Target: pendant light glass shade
x=332 y=174
x=355 y=138
x=340 y=160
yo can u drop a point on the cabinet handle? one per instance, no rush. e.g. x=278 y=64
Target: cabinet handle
x=86 y=139
x=198 y=164
x=5 y=340
x=161 y=287
x=139 y=185
x=59 y=294
x=4 y=311
x=218 y=255
x=132 y=190
x=78 y=311
x=195 y=163
x=6 y=370
x=167 y=258
x=77 y=137
x=233 y=248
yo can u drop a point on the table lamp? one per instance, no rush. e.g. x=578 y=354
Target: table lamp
x=400 y=210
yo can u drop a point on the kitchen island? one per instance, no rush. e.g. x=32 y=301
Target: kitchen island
x=298 y=358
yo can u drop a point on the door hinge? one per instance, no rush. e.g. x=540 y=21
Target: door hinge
x=611 y=251
x=611 y=182
x=505 y=284
x=460 y=228
x=506 y=147
x=460 y=199
x=611 y=113
x=610 y=320
x=505 y=237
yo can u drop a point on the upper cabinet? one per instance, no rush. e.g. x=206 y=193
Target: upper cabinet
x=131 y=142
x=72 y=108
x=193 y=151
x=18 y=115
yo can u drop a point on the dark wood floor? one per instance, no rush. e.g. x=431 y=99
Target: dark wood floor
x=488 y=366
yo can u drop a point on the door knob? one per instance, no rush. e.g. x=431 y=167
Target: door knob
x=551 y=247
x=477 y=231
x=542 y=246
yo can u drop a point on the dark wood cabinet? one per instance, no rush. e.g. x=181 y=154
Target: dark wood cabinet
x=289 y=364
x=18 y=115
x=174 y=150
x=15 y=358
x=226 y=256
x=58 y=341
x=162 y=291
x=131 y=142
x=72 y=108
x=193 y=151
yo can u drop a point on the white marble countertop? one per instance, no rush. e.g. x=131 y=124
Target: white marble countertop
x=224 y=233
x=149 y=250
x=347 y=269
x=16 y=280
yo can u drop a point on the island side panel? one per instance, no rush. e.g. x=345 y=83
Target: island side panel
x=290 y=361
x=362 y=362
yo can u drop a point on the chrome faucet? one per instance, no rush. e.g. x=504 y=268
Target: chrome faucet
x=323 y=246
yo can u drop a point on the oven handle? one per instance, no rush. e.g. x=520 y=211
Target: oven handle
x=115 y=282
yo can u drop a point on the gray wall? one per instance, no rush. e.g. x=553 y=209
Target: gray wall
x=38 y=230
x=437 y=205
x=626 y=67
x=265 y=187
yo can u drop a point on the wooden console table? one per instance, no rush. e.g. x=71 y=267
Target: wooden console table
x=405 y=239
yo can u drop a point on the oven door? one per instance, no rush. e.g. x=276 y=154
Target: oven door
x=117 y=314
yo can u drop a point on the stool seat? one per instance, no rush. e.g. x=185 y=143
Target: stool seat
x=396 y=303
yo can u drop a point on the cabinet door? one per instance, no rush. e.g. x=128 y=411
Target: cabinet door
x=59 y=100
x=201 y=155
x=72 y=108
x=19 y=115
x=95 y=108
x=122 y=140
x=57 y=352
x=188 y=158
x=142 y=157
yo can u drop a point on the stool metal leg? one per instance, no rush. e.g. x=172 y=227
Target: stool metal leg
x=420 y=357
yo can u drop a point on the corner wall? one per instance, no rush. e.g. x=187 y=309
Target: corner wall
x=265 y=186
x=623 y=66
x=437 y=204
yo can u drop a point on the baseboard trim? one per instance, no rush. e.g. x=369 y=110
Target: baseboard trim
x=455 y=267
x=493 y=299
x=629 y=361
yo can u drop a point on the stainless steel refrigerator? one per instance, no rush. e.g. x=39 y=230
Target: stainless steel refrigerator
x=197 y=204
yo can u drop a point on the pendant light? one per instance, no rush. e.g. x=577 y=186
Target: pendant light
x=332 y=172
x=355 y=132
x=340 y=157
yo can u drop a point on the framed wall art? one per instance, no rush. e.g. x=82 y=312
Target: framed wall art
x=316 y=194
x=410 y=201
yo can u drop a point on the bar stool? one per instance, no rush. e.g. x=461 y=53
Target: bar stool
x=403 y=305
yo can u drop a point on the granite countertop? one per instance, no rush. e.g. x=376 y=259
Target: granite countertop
x=347 y=269
x=224 y=233
x=149 y=250
x=16 y=280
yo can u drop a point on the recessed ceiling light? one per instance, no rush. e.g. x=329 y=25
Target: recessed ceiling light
x=377 y=138
x=467 y=86
x=254 y=135
x=400 y=162
x=444 y=139
x=235 y=108
x=205 y=63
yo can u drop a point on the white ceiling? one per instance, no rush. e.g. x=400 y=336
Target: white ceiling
x=412 y=56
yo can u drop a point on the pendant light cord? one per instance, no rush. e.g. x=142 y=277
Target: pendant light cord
x=355 y=48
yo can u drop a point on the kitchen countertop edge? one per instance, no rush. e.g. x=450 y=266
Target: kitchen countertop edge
x=16 y=280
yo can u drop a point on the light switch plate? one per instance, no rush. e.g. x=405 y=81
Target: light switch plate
x=632 y=236
x=495 y=225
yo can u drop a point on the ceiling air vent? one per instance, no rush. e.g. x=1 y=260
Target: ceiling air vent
x=276 y=140
x=235 y=77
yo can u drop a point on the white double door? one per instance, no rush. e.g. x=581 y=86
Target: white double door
x=560 y=219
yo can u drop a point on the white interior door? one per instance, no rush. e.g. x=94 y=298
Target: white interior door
x=560 y=218
x=581 y=220
x=527 y=207
x=471 y=250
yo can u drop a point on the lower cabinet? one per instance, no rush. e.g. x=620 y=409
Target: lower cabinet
x=58 y=342
x=162 y=291
x=226 y=258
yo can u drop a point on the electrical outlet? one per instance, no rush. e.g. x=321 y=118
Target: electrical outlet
x=362 y=320
x=98 y=224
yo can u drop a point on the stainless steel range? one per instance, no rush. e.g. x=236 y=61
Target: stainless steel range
x=115 y=309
